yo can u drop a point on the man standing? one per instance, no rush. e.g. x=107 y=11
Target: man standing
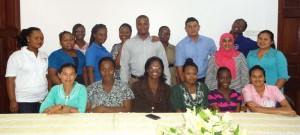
x=164 y=36
x=137 y=50
x=196 y=47
x=241 y=43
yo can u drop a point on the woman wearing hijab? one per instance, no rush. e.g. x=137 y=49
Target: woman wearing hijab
x=235 y=61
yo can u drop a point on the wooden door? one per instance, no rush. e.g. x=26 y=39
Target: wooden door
x=289 y=44
x=9 y=29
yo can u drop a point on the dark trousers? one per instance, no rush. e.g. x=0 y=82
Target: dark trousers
x=201 y=79
x=27 y=107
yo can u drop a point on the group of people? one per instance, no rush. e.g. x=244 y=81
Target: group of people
x=146 y=73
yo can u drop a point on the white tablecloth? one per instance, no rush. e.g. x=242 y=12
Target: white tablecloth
x=133 y=123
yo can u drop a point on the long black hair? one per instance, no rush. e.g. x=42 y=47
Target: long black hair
x=94 y=31
x=271 y=36
x=22 y=38
x=147 y=65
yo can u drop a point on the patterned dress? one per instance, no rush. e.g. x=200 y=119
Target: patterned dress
x=119 y=92
x=114 y=53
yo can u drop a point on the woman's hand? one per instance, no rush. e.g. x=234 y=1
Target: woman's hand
x=13 y=106
x=53 y=109
x=289 y=112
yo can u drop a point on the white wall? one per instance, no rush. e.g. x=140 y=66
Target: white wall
x=214 y=16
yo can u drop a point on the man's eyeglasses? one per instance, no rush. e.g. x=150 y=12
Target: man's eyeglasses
x=166 y=34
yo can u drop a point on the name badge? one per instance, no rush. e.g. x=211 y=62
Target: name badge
x=269 y=103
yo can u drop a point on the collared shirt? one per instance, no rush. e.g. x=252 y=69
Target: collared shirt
x=30 y=71
x=136 y=52
x=83 y=49
x=93 y=55
x=119 y=92
x=198 y=51
x=171 y=56
x=271 y=95
x=273 y=62
x=57 y=96
x=244 y=44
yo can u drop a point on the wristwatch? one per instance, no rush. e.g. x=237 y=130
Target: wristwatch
x=62 y=106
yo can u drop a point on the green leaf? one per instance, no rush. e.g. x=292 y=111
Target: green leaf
x=173 y=130
x=237 y=130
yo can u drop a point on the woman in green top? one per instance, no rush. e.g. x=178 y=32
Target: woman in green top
x=189 y=93
x=68 y=97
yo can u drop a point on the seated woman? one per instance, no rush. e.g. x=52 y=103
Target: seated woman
x=67 y=55
x=109 y=94
x=68 y=97
x=261 y=97
x=190 y=93
x=151 y=93
x=224 y=99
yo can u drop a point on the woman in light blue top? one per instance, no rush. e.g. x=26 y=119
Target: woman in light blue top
x=68 y=97
x=272 y=60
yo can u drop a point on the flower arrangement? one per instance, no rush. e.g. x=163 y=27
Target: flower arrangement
x=204 y=122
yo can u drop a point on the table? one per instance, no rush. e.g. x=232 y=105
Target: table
x=133 y=123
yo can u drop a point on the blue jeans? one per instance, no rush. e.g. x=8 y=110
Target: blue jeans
x=27 y=107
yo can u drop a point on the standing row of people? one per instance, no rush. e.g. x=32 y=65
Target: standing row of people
x=132 y=54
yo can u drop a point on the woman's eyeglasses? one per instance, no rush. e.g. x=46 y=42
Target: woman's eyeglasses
x=152 y=68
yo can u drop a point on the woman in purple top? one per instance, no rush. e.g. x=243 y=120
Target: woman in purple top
x=224 y=99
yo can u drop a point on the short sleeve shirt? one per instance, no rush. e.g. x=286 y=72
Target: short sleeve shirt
x=271 y=95
x=119 y=92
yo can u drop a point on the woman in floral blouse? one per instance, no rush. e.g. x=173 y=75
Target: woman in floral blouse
x=189 y=93
x=109 y=94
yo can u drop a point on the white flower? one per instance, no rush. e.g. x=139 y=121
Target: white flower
x=207 y=112
x=204 y=122
x=226 y=117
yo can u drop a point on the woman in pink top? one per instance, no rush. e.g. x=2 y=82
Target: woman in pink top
x=79 y=33
x=261 y=97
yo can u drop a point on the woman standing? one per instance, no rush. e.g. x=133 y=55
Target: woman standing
x=151 y=93
x=79 y=32
x=190 y=93
x=26 y=73
x=124 y=34
x=68 y=97
x=273 y=61
x=228 y=57
x=67 y=55
x=96 y=52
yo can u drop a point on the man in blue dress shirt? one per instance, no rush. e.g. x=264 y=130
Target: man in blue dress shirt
x=196 y=47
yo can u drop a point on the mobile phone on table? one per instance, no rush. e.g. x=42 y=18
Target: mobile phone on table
x=152 y=116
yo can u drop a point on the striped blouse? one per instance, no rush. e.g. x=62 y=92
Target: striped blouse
x=217 y=98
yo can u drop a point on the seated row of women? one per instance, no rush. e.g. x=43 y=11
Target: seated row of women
x=152 y=94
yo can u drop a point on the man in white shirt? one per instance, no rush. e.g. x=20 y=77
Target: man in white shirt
x=137 y=50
